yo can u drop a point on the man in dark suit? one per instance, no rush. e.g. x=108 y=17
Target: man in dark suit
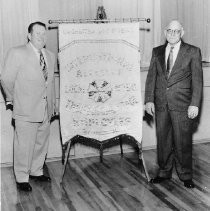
x=28 y=82
x=173 y=93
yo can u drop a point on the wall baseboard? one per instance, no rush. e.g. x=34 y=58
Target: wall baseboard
x=127 y=150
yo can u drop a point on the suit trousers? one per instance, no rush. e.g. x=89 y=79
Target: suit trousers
x=174 y=143
x=31 y=142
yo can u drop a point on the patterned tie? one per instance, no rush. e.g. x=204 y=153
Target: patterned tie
x=169 y=62
x=43 y=66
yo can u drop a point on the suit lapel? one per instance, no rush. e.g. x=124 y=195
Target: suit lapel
x=161 y=58
x=179 y=58
x=32 y=55
x=35 y=61
x=48 y=62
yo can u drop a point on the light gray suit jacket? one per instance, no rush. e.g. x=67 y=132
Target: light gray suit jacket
x=24 y=84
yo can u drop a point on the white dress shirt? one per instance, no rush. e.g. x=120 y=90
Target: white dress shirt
x=175 y=51
x=37 y=52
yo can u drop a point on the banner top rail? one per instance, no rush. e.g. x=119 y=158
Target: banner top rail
x=148 y=20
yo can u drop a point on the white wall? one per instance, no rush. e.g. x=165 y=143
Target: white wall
x=149 y=139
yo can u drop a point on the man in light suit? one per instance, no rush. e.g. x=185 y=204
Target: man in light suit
x=173 y=93
x=28 y=83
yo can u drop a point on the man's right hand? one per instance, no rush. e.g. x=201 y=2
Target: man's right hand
x=9 y=105
x=150 y=108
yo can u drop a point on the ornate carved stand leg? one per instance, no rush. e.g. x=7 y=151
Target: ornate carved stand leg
x=64 y=147
x=143 y=161
x=66 y=159
x=121 y=147
x=101 y=152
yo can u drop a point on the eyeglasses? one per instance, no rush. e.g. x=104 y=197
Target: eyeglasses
x=175 y=32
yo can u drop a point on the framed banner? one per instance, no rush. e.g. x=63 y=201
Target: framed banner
x=100 y=86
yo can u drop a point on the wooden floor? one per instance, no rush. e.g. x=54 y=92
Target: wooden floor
x=116 y=184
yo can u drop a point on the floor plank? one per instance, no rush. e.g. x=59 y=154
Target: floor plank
x=116 y=184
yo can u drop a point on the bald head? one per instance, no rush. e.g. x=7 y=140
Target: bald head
x=174 y=32
x=174 y=24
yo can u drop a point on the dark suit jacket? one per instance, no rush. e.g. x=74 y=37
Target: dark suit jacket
x=185 y=83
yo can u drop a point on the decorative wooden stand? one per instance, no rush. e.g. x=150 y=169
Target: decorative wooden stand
x=101 y=145
x=86 y=141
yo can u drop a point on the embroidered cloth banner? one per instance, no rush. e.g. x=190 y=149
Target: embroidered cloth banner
x=100 y=86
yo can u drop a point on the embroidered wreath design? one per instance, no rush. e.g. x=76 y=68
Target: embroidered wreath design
x=99 y=91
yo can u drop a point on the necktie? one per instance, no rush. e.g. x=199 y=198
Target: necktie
x=169 y=62
x=43 y=66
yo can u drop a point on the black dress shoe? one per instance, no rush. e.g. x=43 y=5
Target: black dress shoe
x=158 y=179
x=189 y=184
x=41 y=178
x=24 y=186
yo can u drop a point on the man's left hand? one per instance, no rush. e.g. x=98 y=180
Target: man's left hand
x=192 y=112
